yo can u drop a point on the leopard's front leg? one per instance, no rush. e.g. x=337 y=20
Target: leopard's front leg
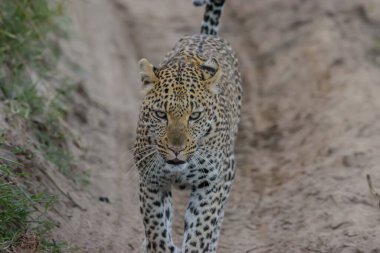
x=205 y=211
x=203 y=219
x=156 y=209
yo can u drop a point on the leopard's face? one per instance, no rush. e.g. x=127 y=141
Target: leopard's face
x=179 y=108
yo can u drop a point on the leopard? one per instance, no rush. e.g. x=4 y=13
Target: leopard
x=186 y=134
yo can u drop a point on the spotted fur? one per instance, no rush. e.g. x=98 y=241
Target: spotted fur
x=185 y=139
x=210 y=23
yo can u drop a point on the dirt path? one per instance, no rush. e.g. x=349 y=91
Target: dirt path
x=309 y=132
x=107 y=110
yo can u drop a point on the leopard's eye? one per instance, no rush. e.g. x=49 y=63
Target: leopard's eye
x=195 y=115
x=161 y=114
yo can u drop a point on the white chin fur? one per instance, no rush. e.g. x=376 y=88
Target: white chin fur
x=175 y=168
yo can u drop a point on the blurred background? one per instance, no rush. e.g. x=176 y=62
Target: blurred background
x=309 y=133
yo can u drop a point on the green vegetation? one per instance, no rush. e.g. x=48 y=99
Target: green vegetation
x=14 y=210
x=33 y=93
x=28 y=56
x=18 y=210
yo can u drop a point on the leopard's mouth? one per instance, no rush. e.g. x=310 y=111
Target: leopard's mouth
x=176 y=161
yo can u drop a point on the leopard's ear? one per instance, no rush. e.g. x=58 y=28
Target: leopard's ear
x=211 y=74
x=148 y=77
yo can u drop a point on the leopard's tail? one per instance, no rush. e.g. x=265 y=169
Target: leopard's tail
x=213 y=11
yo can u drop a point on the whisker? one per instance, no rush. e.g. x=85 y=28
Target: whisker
x=134 y=156
x=130 y=152
x=139 y=161
x=148 y=169
x=198 y=153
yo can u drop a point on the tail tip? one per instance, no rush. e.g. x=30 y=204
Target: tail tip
x=199 y=2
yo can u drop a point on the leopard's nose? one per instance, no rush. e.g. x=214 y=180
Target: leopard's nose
x=176 y=149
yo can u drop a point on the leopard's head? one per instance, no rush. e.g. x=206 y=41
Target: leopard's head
x=179 y=108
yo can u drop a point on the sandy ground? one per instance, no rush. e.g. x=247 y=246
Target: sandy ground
x=309 y=134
